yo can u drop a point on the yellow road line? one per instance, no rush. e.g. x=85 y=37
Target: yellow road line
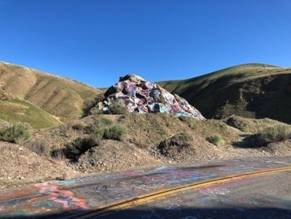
x=142 y=199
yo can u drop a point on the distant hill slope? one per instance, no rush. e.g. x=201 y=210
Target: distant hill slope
x=16 y=110
x=60 y=97
x=250 y=90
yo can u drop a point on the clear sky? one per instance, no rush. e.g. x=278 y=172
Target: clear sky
x=96 y=41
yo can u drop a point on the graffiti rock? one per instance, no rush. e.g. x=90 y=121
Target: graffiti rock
x=141 y=96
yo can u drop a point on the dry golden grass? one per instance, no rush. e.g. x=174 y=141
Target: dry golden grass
x=16 y=110
x=61 y=97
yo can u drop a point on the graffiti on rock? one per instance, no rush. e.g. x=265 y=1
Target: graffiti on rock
x=141 y=96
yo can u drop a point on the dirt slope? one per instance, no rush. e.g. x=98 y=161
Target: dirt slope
x=21 y=166
x=147 y=140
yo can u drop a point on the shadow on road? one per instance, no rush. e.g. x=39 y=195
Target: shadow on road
x=181 y=213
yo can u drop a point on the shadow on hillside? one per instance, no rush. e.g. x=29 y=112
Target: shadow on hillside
x=181 y=213
x=249 y=141
x=267 y=96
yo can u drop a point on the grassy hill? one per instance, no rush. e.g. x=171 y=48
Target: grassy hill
x=58 y=96
x=71 y=146
x=250 y=90
x=16 y=110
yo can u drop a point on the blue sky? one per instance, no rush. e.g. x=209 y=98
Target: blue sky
x=96 y=41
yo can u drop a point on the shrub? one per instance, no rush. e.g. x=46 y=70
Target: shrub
x=176 y=146
x=177 y=142
x=80 y=146
x=117 y=108
x=273 y=134
x=98 y=127
x=182 y=137
x=104 y=122
x=90 y=106
x=214 y=139
x=191 y=123
x=95 y=110
x=99 y=133
x=57 y=153
x=183 y=118
x=238 y=123
x=92 y=128
x=40 y=147
x=15 y=133
x=114 y=133
x=78 y=125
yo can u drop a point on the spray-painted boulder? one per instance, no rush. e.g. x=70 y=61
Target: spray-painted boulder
x=141 y=96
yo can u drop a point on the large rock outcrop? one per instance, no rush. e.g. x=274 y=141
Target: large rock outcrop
x=141 y=96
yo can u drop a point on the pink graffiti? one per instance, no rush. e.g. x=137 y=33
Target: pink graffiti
x=64 y=197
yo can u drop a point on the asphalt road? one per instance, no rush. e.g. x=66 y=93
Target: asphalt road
x=257 y=188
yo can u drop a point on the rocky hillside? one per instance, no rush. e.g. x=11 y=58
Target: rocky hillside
x=60 y=97
x=101 y=143
x=61 y=144
x=250 y=90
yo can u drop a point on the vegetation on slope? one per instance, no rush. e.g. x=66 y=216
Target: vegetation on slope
x=250 y=125
x=61 y=97
x=15 y=110
x=15 y=133
x=149 y=139
x=251 y=90
x=136 y=132
x=114 y=142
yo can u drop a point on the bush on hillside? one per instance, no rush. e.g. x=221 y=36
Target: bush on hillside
x=95 y=110
x=15 y=133
x=38 y=146
x=117 y=108
x=183 y=118
x=191 y=123
x=98 y=126
x=176 y=143
x=79 y=125
x=176 y=146
x=90 y=106
x=57 y=153
x=114 y=133
x=237 y=122
x=214 y=139
x=267 y=136
x=273 y=134
x=80 y=145
x=104 y=122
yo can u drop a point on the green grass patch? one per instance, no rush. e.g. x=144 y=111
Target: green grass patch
x=16 y=110
x=114 y=133
x=277 y=133
x=79 y=146
x=273 y=134
x=117 y=108
x=214 y=139
x=15 y=133
x=251 y=125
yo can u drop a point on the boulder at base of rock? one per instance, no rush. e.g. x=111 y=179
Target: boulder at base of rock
x=138 y=95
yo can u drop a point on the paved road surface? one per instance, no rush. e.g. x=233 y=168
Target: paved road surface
x=257 y=188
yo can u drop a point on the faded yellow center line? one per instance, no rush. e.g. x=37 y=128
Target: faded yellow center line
x=142 y=199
